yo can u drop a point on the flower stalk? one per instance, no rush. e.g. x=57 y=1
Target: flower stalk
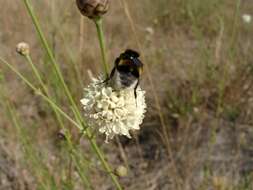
x=81 y=122
x=58 y=117
x=100 y=33
x=49 y=52
x=92 y=141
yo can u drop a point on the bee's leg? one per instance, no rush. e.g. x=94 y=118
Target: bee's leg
x=105 y=81
x=112 y=72
x=135 y=93
x=135 y=88
x=110 y=77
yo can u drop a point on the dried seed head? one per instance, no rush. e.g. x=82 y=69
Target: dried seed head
x=23 y=48
x=93 y=8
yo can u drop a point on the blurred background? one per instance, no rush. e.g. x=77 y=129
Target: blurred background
x=198 y=77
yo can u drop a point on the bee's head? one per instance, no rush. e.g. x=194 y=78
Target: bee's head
x=128 y=62
x=129 y=53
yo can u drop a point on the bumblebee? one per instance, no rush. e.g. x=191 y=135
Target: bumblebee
x=126 y=71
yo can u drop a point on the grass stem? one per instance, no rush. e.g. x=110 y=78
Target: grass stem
x=93 y=143
x=94 y=146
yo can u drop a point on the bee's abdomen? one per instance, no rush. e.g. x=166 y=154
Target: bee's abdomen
x=122 y=80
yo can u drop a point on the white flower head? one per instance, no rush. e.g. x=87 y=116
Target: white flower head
x=113 y=112
x=246 y=18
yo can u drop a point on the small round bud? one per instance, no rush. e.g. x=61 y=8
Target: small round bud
x=93 y=8
x=246 y=18
x=23 y=48
x=61 y=135
x=121 y=171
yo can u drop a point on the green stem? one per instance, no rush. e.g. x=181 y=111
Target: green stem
x=36 y=73
x=92 y=141
x=66 y=90
x=38 y=92
x=44 y=87
x=98 y=23
x=48 y=51
x=237 y=11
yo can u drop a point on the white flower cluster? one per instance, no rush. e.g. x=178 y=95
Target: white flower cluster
x=113 y=112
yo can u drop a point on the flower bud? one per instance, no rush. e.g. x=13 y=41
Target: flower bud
x=61 y=135
x=23 y=48
x=121 y=171
x=246 y=18
x=93 y=8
